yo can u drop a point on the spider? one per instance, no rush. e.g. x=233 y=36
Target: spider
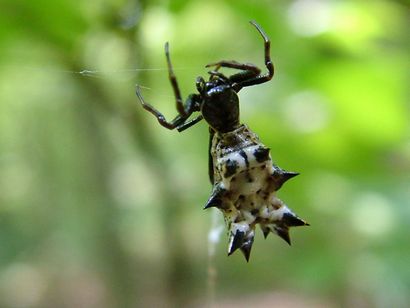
x=241 y=171
x=217 y=99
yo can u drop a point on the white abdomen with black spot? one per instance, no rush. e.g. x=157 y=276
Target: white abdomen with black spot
x=245 y=183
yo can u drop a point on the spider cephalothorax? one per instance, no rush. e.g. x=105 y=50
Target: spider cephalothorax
x=241 y=170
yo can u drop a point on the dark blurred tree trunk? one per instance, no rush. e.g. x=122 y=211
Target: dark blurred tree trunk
x=179 y=272
x=179 y=269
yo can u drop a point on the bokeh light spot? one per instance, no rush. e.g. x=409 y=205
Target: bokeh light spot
x=306 y=111
x=372 y=215
x=309 y=17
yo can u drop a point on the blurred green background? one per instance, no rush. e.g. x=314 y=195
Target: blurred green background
x=102 y=207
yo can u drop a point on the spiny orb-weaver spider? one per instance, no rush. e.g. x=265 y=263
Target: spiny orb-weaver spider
x=241 y=170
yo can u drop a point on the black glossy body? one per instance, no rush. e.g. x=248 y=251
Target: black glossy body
x=220 y=108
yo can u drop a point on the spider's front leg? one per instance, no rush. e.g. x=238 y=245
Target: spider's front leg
x=235 y=65
x=180 y=120
x=174 y=83
x=184 y=110
x=268 y=62
x=160 y=117
x=250 y=74
x=248 y=70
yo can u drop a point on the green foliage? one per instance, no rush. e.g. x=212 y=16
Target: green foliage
x=101 y=207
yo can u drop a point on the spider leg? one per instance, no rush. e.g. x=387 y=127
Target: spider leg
x=191 y=105
x=235 y=65
x=210 y=159
x=179 y=119
x=184 y=110
x=251 y=74
x=185 y=125
x=174 y=83
x=218 y=74
x=249 y=71
x=268 y=62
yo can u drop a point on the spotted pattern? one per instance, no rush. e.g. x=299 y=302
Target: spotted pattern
x=245 y=183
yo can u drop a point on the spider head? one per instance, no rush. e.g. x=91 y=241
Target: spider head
x=216 y=79
x=201 y=85
x=219 y=102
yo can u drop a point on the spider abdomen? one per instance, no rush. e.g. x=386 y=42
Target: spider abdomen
x=241 y=171
x=245 y=183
